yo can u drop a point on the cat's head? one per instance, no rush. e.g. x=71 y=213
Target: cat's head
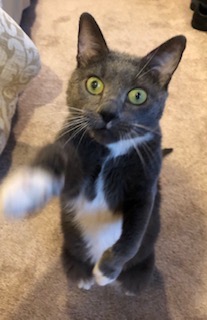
x=119 y=96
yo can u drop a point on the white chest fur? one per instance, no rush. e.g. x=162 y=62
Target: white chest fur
x=100 y=227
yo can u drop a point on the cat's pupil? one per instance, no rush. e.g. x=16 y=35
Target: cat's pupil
x=138 y=95
x=94 y=84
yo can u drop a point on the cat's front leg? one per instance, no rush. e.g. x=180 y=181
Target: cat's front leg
x=31 y=187
x=136 y=218
x=107 y=269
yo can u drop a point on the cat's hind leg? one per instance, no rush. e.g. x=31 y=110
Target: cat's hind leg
x=86 y=284
x=137 y=277
x=78 y=271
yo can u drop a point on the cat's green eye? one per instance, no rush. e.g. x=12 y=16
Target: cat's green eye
x=94 y=85
x=137 y=96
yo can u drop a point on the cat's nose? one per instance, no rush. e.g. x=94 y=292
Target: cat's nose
x=107 y=115
x=109 y=110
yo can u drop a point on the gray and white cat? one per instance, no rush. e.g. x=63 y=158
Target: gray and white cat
x=105 y=162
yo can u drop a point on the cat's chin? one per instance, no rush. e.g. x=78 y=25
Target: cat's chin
x=103 y=136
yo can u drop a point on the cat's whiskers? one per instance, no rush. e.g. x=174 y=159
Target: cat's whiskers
x=76 y=132
x=67 y=112
x=146 y=64
x=148 y=151
x=73 y=122
x=81 y=138
x=139 y=126
x=146 y=148
x=136 y=148
x=137 y=129
x=72 y=117
x=124 y=128
x=76 y=109
x=77 y=126
x=139 y=155
x=72 y=127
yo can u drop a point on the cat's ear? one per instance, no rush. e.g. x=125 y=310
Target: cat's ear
x=91 y=43
x=164 y=60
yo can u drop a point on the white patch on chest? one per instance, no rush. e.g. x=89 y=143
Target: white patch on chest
x=101 y=228
x=121 y=147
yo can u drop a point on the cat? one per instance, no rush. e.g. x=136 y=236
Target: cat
x=105 y=162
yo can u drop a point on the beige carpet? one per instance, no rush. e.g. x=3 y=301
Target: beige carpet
x=32 y=282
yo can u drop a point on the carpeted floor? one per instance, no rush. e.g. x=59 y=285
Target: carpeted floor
x=32 y=282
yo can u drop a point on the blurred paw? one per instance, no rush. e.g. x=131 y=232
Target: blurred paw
x=27 y=190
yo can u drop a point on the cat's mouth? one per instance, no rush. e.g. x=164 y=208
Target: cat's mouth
x=103 y=135
x=100 y=130
x=107 y=131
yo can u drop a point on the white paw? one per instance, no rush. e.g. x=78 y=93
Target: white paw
x=27 y=190
x=101 y=280
x=86 y=284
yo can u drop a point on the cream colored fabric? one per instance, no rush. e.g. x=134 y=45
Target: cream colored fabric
x=19 y=62
x=14 y=8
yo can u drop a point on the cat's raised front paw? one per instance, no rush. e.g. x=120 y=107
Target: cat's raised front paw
x=27 y=190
